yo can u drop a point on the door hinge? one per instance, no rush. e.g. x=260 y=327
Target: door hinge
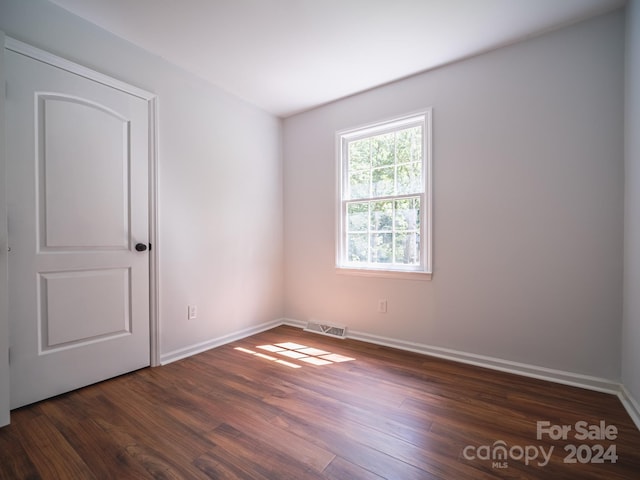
x=9 y=354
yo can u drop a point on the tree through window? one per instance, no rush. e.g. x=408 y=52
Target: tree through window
x=385 y=220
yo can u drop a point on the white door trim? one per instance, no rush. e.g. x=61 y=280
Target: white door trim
x=51 y=59
x=5 y=379
x=152 y=102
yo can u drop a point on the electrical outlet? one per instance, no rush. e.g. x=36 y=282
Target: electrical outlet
x=382 y=306
x=192 y=312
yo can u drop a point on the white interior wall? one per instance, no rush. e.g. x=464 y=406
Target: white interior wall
x=631 y=322
x=220 y=181
x=528 y=219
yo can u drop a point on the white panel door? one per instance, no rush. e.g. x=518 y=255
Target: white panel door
x=77 y=171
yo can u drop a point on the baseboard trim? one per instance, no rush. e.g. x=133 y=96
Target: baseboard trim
x=598 y=384
x=533 y=371
x=217 y=342
x=291 y=322
x=630 y=404
x=527 y=370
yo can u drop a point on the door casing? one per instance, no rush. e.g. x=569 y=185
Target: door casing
x=5 y=379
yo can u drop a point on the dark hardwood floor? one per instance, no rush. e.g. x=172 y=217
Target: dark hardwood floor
x=231 y=414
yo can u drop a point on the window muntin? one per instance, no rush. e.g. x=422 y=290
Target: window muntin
x=384 y=196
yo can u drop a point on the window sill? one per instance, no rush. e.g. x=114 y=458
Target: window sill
x=369 y=272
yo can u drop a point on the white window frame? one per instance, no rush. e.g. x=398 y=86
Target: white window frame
x=424 y=270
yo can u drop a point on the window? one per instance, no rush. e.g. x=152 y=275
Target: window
x=385 y=197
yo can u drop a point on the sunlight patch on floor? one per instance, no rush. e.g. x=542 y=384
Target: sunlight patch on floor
x=295 y=351
x=315 y=361
x=271 y=348
x=288 y=364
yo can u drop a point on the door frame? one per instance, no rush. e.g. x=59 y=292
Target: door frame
x=5 y=379
x=22 y=48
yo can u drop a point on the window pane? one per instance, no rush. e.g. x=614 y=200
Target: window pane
x=358 y=216
x=403 y=145
x=409 y=145
x=358 y=247
x=383 y=180
x=359 y=155
x=382 y=215
x=383 y=193
x=359 y=184
x=410 y=178
x=407 y=215
x=381 y=248
x=416 y=144
x=383 y=150
x=407 y=249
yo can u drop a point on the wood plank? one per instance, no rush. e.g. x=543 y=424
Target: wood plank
x=15 y=461
x=225 y=414
x=340 y=469
x=86 y=438
x=50 y=452
x=259 y=455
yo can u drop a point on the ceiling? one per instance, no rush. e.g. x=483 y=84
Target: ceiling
x=287 y=56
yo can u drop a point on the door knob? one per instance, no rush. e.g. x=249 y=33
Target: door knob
x=141 y=247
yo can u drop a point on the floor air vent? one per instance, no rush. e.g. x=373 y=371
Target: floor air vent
x=331 y=330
